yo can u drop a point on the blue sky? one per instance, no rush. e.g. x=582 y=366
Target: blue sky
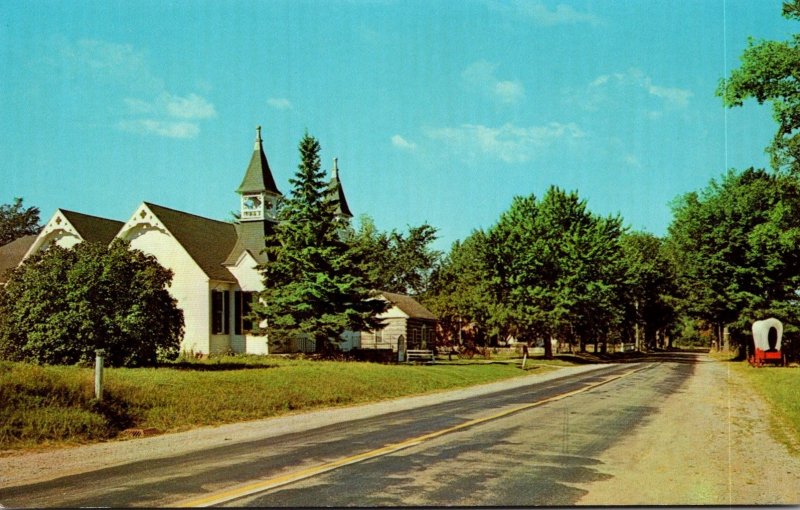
x=439 y=111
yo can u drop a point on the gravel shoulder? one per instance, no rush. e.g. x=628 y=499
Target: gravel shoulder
x=709 y=445
x=27 y=468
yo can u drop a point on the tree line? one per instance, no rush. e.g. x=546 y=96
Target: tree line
x=548 y=271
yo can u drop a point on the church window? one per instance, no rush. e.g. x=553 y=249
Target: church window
x=243 y=305
x=220 y=320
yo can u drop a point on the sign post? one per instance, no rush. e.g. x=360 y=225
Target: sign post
x=98 y=373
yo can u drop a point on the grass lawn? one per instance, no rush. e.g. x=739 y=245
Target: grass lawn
x=46 y=406
x=781 y=388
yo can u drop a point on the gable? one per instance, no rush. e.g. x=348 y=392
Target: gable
x=207 y=242
x=68 y=228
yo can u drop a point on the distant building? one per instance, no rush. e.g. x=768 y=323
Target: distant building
x=406 y=321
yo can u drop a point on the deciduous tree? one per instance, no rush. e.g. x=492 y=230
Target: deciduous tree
x=62 y=304
x=17 y=221
x=770 y=72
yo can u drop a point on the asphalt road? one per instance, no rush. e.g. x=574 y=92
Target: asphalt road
x=524 y=447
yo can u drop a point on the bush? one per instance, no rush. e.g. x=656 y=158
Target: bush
x=63 y=304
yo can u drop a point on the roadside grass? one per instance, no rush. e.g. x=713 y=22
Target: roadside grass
x=781 y=389
x=55 y=406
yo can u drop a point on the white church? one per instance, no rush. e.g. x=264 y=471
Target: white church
x=214 y=262
x=214 y=266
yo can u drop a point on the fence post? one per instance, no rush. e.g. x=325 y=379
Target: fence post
x=98 y=373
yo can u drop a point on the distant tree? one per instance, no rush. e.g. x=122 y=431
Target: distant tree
x=62 y=304
x=735 y=249
x=556 y=270
x=769 y=73
x=397 y=262
x=459 y=291
x=17 y=221
x=314 y=283
x=651 y=290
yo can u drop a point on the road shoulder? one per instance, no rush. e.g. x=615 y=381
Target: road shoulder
x=709 y=445
x=23 y=469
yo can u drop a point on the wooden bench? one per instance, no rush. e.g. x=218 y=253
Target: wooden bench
x=424 y=355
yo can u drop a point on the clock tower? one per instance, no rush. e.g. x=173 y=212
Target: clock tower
x=259 y=195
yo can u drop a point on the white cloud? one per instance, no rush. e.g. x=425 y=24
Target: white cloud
x=621 y=88
x=508 y=143
x=167 y=129
x=480 y=75
x=189 y=107
x=149 y=107
x=279 y=103
x=537 y=12
x=401 y=143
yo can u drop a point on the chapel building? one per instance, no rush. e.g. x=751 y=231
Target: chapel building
x=214 y=262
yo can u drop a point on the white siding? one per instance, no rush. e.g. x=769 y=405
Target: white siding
x=190 y=285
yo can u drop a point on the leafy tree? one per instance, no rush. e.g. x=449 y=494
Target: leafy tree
x=735 y=247
x=17 y=221
x=459 y=293
x=394 y=261
x=651 y=293
x=62 y=304
x=314 y=284
x=769 y=73
x=556 y=270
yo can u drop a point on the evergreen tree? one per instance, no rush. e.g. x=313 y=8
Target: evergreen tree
x=314 y=286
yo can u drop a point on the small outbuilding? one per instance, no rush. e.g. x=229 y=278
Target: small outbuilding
x=406 y=321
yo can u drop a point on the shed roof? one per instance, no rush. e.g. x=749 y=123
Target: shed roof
x=408 y=305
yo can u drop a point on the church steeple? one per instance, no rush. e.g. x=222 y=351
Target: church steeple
x=258 y=190
x=337 y=192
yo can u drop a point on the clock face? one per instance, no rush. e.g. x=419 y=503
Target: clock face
x=252 y=202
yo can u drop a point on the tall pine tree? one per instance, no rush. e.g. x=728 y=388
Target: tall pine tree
x=313 y=287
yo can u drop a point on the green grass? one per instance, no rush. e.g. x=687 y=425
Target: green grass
x=55 y=405
x=781 y=389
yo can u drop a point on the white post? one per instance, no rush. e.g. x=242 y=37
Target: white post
x=524 y=359
x=98 y=373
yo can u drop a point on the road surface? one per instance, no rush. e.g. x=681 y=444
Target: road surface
x=541 y=444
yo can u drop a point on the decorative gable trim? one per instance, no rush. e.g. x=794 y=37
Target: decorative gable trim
x=58 y=226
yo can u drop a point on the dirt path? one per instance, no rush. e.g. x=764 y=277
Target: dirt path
x=710 y=445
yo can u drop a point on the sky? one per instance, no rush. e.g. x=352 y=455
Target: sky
x=438 y=111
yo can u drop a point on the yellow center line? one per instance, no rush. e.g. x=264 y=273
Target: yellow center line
x=271 y=483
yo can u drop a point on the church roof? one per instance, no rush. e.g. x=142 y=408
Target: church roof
x=408 y=305
x=11 y=254
x=258 y=176
x=336 y=190
x=249 y=237
x=93 y=229
x=207 y=241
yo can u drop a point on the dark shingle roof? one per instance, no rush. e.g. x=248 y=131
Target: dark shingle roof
x=207 y=241
x=335 y=189
x=11 y=254
x=93 y=229
x=258 y=176
x=408 y=305
x=249 y=237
